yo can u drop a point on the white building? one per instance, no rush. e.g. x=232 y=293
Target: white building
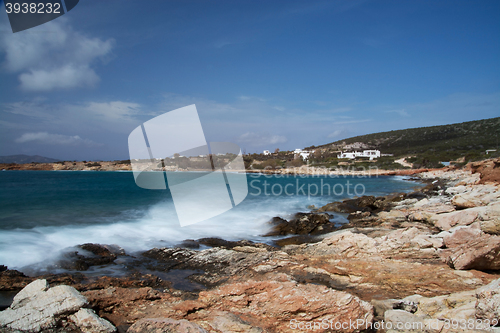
x=304 y=154
x=366 y=153
x=266 y=152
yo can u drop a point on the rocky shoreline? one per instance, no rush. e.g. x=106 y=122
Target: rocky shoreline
x=429 y=259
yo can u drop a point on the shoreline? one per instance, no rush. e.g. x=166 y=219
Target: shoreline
x=400 y=258
x=304 y=170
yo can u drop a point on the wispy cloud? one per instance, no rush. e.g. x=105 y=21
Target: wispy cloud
x=54 y=58
x=56 y=139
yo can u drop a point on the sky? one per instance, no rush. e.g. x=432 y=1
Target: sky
x=263 y=74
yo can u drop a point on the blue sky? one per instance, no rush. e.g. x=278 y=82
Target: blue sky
x=263 y=74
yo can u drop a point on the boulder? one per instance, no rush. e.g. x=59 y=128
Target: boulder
x=489 y=217
x=39 y=307
x=89 y=322
x=491 y=226
x=488 y=301
x=165 y=325
x=470 y=248
x=446 y=221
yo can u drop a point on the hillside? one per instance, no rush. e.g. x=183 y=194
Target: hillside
x=468 y=141
x=23 y=159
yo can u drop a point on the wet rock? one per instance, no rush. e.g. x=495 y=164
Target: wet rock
x=363 y=204
x=189 y=244
x=301 y=224
x=216 y=264
x=165 y=325
x=222 y=243
x=89 y=255
x=296 y=240
x=11 y=280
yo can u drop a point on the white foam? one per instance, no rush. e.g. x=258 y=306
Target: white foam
x=157 y=227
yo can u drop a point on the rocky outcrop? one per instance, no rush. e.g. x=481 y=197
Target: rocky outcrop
x=488 y=170
x=89 y=255
x=470 y=248
x=70 y=165
x=302 y=224
x=165 y=325
x=213 y=266
x=478 y=309
x=272 y=302
x=474 y=196
x=38 y=307
x=363 y=204
x=13 y=280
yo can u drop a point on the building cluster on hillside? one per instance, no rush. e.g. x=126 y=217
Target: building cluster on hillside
x=304 y=154
x=371 y=154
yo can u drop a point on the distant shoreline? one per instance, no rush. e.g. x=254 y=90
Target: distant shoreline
x=126 y=167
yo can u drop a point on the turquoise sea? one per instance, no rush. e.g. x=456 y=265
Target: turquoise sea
x=45 y=212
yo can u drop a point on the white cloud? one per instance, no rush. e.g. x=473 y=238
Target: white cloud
x=53 y=56
x=66 y=77
x=55 y=139
x=258 y=139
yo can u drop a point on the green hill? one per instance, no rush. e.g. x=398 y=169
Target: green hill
x=467 y=141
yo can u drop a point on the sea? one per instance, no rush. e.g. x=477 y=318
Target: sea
x=44 y=213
